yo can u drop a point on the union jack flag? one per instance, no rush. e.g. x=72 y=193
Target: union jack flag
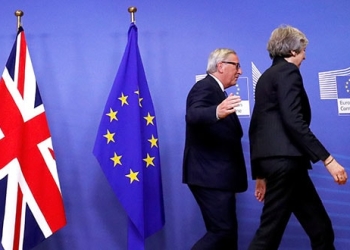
x=31 y=205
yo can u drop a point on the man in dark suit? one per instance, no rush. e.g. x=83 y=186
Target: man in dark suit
x=213 y=164
x=282 y=146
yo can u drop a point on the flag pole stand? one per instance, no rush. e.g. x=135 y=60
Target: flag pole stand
x=132 y=11
x=19 y=15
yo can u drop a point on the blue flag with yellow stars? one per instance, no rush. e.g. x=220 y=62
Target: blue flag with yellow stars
x=343 y=86
x=127 y=147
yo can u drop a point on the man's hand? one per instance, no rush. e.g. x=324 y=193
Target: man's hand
x=227 y=106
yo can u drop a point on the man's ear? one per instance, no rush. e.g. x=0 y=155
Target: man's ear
x=219 y=67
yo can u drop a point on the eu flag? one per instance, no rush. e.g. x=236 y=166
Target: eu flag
x=241 y=88
x=343 y=86
x=127 y=147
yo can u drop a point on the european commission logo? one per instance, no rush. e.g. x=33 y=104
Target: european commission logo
x=336 y=85
x=241 y=89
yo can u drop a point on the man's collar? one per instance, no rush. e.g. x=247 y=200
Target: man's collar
x=218 y=81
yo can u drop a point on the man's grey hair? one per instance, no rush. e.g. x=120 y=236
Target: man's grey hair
x=284 y=40
x=217 y=56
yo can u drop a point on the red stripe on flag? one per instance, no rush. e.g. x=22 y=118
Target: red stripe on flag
x=10 y=122
x=18 y=219
x=22 y=65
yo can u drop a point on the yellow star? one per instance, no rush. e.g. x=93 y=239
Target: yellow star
x=133 y=176
x=112 y=115
x=140 y=99
x=149 y=160
x=149 y=119
x=116 y=159
x=153 y=142
x=123 y=99
x=109 y=136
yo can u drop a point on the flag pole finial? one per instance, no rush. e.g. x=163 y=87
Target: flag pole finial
x=19 y=15
x=132 y=11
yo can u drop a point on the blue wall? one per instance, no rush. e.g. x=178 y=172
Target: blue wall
x=76 y=47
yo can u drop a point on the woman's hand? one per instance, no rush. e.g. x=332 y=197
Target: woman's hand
x=260 y=189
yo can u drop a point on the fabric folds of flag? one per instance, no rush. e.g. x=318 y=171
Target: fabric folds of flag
x=127 y=147
x=31 y=204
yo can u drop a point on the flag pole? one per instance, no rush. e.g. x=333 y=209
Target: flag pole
x=19 y=14
x=132 y=11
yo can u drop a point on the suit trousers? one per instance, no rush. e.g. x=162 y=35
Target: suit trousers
x=289 y=189
x=218 y=208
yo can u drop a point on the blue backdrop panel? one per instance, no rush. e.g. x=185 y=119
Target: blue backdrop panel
x=76 y=47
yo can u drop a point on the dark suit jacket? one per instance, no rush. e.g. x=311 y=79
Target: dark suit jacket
x=281 y=117
x=213 y=155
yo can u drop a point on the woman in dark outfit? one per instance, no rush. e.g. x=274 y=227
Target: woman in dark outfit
x=282 y=146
